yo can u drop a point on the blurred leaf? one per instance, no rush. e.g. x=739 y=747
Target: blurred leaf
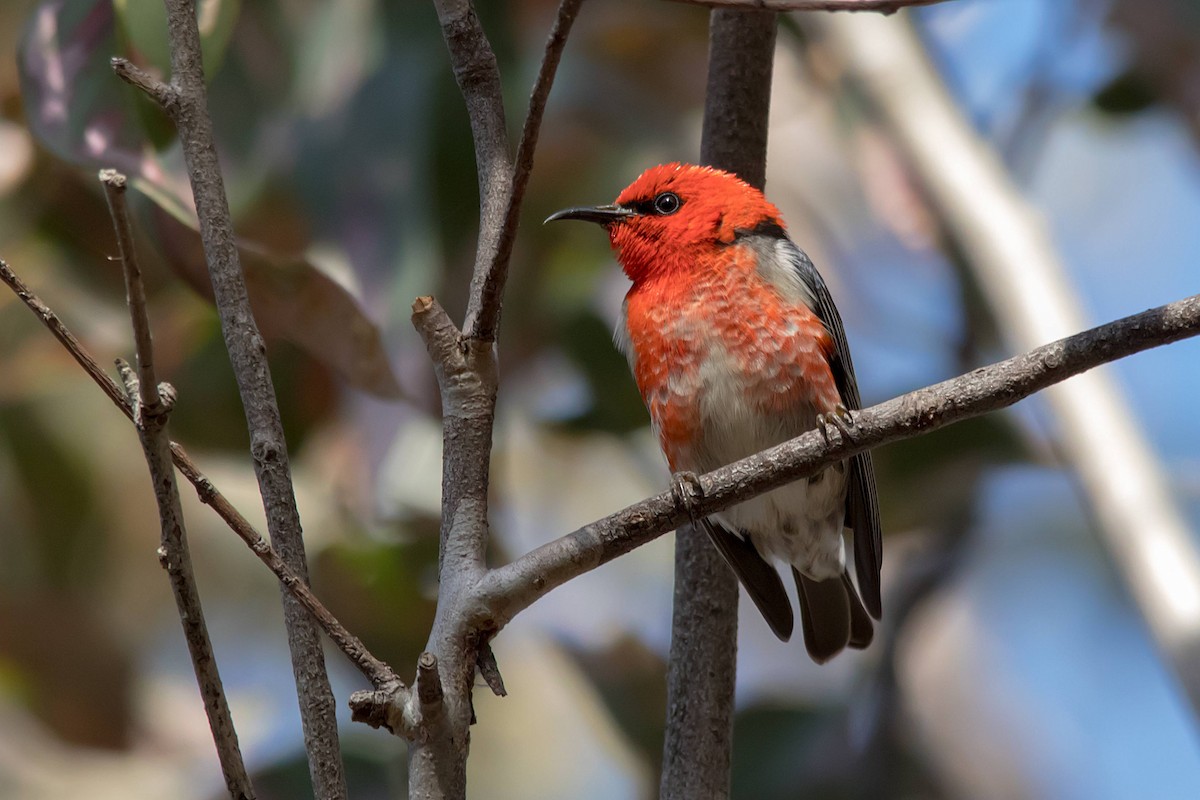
x=58 y=498
x=932 y=479
x=294 y=300
x=144 y=24
x=1128 y=93
x=75 y=670
x=80 y=111
x=629 y=677
x=770 y=749
x=383 y=592
x=783 y=753
x=75 y=106
x=616 y=405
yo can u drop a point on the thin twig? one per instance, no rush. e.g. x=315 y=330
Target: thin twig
x=880 y=6
x=135 y=292
x=164 y=94
x=507 y=590
x=483 y=309
x=151 y=418
x=186 y=101
x=375 y=670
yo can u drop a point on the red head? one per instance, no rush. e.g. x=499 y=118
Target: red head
x=668 y=220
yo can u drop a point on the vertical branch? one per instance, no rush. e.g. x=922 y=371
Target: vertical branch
x=151 y=414
x=465 y=363
x=186 y=101
x=703 y=663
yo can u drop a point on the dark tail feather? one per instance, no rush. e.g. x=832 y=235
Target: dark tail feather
x=862 y=631
x=825 y=615
x=761 y=580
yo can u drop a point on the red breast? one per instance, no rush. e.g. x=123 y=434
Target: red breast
x=724 y=323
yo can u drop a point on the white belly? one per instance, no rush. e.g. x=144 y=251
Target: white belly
x=801 y=523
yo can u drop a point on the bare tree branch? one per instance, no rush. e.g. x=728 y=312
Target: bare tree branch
x=419 y=716
x=151 y=417
x=186 y=102
x=483 y=311
x=702 y=667
x=429 y=687
x=507 y=590
x=1027 y=286
x=466 y=371
x=164 y=94
x=375 y=670
x=881 y=6
x=478 y=78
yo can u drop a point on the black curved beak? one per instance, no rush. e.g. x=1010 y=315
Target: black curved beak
x=602 y=215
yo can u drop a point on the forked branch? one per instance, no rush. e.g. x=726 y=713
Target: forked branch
x=150 y=415
x=185 y=100
x=376 y=671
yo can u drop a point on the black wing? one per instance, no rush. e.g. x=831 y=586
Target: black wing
x=862 y=502
x=761 y=580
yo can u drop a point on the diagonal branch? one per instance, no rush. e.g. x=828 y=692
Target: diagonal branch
x=185 y=100
x=507 y=590
x=151 y=418
x=375 y=670
x=478 y=78
x=881 y=6
x=1027 y=287
x=483 y=311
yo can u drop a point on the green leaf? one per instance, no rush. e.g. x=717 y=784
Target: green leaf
x=143 y=25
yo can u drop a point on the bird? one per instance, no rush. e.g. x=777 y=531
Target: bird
x=735 y=345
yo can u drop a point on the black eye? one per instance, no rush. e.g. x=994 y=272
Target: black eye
x=667 y=203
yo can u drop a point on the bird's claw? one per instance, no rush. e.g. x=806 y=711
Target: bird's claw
x=686 y=488
x=841 y=418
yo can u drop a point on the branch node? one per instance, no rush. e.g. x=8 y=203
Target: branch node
x=429 y=686
x=207 y=493
x=129 y=379
x=113 y=179
x=165 y=94
x=168 y=395
x=380 y=708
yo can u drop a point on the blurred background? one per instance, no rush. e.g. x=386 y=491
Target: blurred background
x=1013 y=663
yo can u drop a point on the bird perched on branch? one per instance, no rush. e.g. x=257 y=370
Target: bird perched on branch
x=736 y=346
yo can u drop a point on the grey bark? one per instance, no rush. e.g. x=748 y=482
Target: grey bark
x=185 y=100
x=152 y=409
x=703 y=660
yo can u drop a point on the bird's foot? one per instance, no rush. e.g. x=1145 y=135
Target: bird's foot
x=686 y=488
x=841 y=418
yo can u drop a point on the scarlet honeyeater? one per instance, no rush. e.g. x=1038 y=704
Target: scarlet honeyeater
x=736 y=345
